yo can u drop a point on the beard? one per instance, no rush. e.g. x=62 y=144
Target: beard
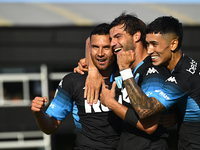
x=129 y=45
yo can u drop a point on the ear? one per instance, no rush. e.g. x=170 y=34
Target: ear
x=137 y=36
x=174 y=44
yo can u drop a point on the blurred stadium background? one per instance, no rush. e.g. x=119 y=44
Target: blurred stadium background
x=42 y=40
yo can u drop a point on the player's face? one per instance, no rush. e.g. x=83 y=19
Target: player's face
x=101 y=52
x=120 y=39
x=158 y=47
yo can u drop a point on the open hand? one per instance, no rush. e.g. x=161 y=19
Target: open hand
x=107 y=96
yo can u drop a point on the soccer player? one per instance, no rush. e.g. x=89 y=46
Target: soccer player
x=128 y=32
x=164 y=39
x=97 y=126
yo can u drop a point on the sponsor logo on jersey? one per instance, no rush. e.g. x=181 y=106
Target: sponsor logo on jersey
x=193 y=67
x=152 y=70
x=162 y=94
x=125 y=95
x=52 y=106
x=148 y=94
x=171 y=79
x=98 y=107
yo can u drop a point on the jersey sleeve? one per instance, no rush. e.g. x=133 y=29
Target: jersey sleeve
x=173 y=90
x=62 y=104
x=154 y=79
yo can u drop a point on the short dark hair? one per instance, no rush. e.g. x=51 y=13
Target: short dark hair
x=166 y=24
x=132 y=24
x=101 y=29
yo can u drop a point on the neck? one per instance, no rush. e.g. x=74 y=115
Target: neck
x=141 y=54
x=106 y=73
x=174 y=60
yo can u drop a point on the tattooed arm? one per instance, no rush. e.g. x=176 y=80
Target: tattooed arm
x=107 y=98
x=143 y=105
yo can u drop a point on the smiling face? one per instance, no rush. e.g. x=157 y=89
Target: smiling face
x=101 y=53
x=120 y=39
x=159 y=47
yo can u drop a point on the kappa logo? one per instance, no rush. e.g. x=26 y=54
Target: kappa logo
x=172 y=79
x=152 y=70
x=60 y=84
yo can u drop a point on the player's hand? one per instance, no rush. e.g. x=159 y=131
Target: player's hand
x=107 y=96
x=125 y=59
x=38 y=104
x=168 y=120
x=92 y=86
x=82 y=66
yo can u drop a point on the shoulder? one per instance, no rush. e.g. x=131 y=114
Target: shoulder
x=186 y=74
x=187 y=68
x=156 y=70
x=72 y=79
x=74 y=76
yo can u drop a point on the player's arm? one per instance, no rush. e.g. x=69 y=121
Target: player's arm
x=147 y=125
x=46 y=123
x=85 y=62
x=82 y=66
x=143 y=105
x=93 y=80
x=170 y=119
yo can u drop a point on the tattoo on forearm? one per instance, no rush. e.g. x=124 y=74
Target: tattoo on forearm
x=143 y=105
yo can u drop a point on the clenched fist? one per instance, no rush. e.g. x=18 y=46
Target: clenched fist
x=38 y=104
x=125 y=59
